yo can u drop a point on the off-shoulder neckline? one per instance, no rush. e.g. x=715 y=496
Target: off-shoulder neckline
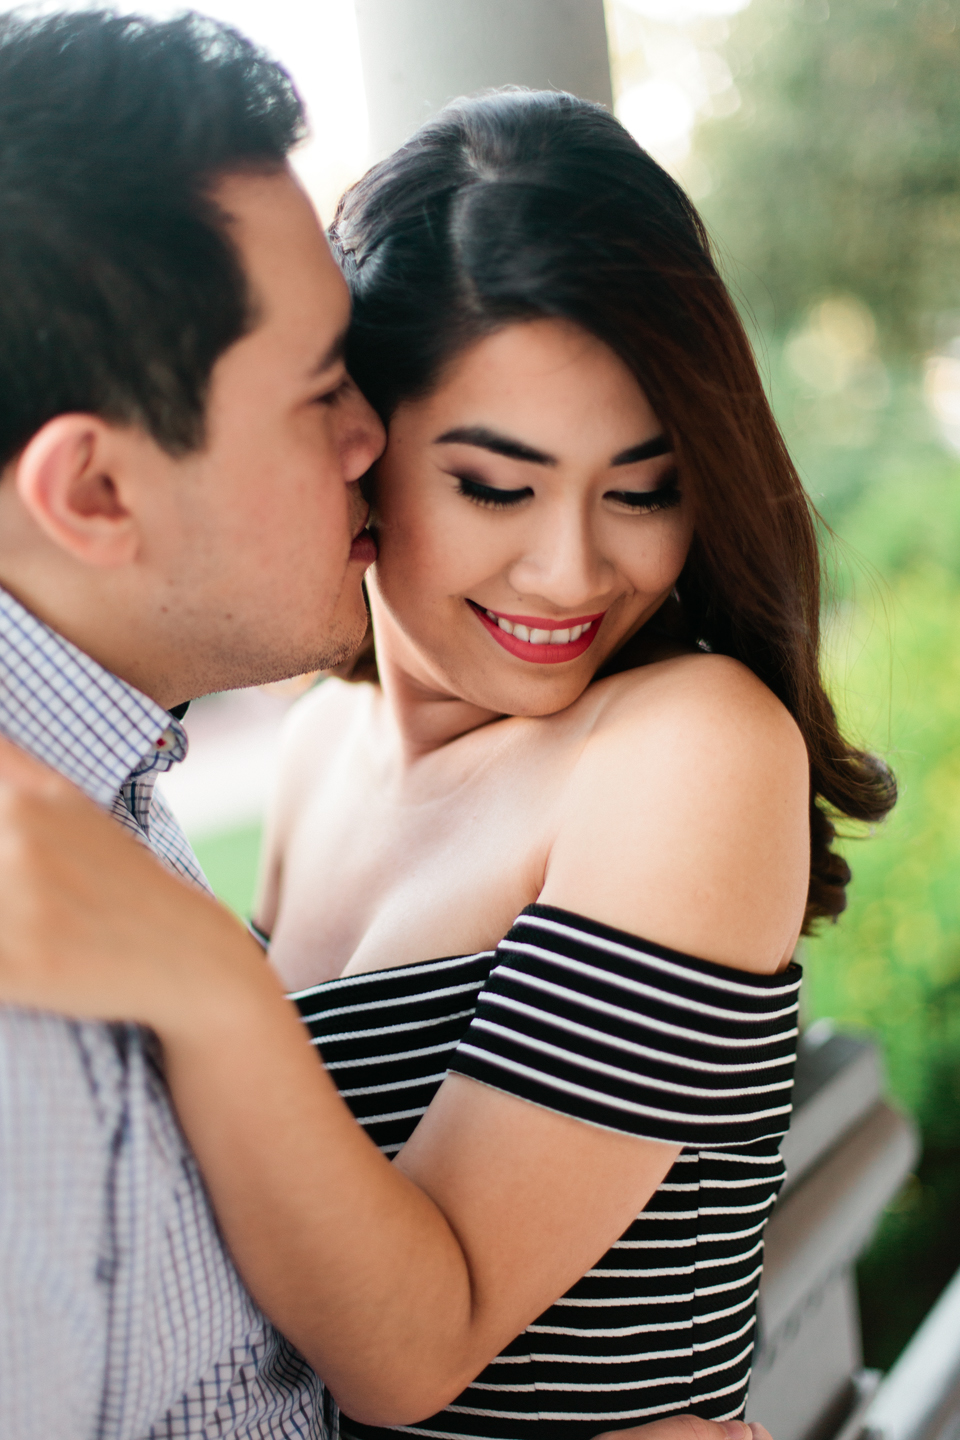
x=749 y=979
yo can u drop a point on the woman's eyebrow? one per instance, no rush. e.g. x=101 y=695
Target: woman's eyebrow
x=659 y=445
x=486 y=439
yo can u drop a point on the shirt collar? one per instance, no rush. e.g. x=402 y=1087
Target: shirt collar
x=62 y=707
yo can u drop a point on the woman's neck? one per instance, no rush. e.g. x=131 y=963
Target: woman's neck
x=423 y=712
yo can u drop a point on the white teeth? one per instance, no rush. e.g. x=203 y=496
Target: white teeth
x=536 y=636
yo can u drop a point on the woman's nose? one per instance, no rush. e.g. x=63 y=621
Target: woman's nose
x=563 y=562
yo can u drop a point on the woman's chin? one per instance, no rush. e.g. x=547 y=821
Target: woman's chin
x=529 y=696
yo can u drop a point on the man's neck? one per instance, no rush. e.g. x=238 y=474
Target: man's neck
x=104 y=627
x=60 y=705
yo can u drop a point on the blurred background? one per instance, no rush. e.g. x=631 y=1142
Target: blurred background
x=821 y=142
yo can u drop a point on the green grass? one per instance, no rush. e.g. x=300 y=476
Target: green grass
x=230 y=864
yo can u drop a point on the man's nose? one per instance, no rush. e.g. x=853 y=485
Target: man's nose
x=362 y=437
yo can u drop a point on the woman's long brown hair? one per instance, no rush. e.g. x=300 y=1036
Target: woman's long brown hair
x=521 y=204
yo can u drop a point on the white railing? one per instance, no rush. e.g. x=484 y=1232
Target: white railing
x=920 y=1398
x=848 y=1152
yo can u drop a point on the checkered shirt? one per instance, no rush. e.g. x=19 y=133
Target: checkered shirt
x=122 y=1316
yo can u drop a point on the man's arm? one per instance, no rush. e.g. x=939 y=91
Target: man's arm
x=55 y=1157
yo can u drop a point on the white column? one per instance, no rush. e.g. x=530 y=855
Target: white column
x=418 y=54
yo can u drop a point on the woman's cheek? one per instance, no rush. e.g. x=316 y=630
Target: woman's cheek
x=657 y=567
x=417 y=557
x=676 y=548
x=452 y=551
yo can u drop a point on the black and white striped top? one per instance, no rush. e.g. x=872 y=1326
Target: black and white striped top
x=597 y=1024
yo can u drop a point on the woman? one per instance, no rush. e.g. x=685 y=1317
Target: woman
x=599 y=710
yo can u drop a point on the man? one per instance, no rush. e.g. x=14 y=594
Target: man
x=179 y=513
x=180 y=449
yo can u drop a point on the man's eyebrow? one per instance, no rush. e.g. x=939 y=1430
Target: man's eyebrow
x=486 y=439
x=334 y=354
x=659 y=445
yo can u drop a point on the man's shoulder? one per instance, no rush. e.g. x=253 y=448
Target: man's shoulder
x=66 y=1078
x=39 y=1052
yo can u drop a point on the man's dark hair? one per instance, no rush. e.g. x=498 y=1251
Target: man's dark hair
x=119 y=285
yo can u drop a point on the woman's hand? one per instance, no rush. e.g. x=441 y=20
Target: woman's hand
x=689 y=1427
x=96 y=927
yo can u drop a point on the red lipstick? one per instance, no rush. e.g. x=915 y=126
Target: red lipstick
x=544 y=654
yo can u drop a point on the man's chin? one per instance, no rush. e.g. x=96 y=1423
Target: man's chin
x=245 y=671
x=342 y=655
x=335 y=650
x=343 y=641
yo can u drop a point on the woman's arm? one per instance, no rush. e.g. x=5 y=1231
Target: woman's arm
x=399 y=1301
x=400 y=1295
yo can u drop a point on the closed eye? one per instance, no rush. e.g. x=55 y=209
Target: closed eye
x=488 y=495
x=665 y=497
x=334 y=393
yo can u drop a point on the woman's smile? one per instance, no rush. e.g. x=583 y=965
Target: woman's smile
x=535 y=475
x=534 y=638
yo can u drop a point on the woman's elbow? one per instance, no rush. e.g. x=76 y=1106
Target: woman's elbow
x=389 y=1398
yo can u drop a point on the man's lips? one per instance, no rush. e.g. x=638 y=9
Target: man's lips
x=364 y=548
x=544 y=653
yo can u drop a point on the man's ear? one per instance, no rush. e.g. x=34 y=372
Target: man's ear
x=69 y=480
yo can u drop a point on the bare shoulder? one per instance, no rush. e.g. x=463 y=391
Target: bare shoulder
x=712 y=703
x=686 y=816
x=319 y=721
x=313 y=734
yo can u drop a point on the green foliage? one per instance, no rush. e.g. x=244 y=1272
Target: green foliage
x=839 y=172
x=913 y=1257
x=835 y=204
x=836 y=197
x=839 y=178
x=892 y=963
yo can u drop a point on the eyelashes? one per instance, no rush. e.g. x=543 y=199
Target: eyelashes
x=332 y=396
x=489 y=496
x=644 y=502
